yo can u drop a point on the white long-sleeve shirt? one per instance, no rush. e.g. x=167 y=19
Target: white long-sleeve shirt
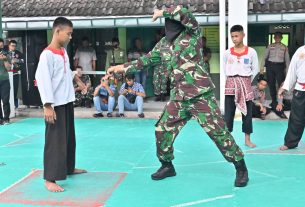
x=54 y=77
x=243 y=64
x=296 y=71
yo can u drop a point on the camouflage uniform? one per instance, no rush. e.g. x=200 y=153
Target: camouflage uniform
x=162 y=70
x=192 y=93
x=80 y=98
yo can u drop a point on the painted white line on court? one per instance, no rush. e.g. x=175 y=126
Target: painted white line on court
x=263 y=173
x=189 y=165
x=19 y=181
x=276 y=153
x=204 y=200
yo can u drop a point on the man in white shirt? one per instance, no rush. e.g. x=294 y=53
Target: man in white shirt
x=85 y=56
x=55 y=84
x=241 y=66
x=295 y=79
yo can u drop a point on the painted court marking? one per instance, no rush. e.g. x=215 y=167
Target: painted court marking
x=30 y=190
x=22 y=140
x=204 y=201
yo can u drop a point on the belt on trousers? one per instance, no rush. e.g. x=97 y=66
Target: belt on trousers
x=276 y=63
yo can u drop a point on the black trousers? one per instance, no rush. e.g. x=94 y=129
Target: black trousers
x=5 y=88
x=16 y=85
x=256 y=111
x=275 y=73
x=296 y=121
x=59 y=149
x=230 y=109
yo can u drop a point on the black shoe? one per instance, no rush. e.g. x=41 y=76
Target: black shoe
x=1 y=122
x=166 y=170
x=122 y=115
x=97 y=115
x=109 y=115
x=158 y=98
x=141 y=115
x=242 y=178
x=281 y=114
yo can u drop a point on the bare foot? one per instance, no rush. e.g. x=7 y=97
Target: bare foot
x=284 y=147
x=250 y=144
x=79 y=171
x=53 y=187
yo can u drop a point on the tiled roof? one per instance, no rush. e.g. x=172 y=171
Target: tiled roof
x=37 y=8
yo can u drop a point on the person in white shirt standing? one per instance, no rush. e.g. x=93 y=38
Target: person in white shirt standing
x=241 y=66
x=55 y=84
x=295 y=79
x=85 y=56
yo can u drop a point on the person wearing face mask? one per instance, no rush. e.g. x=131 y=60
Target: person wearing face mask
x=191 y=94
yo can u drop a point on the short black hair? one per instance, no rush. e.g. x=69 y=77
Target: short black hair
x=278 y=34
x=261 y=77
x=236 y=28
x=62 y=21
x=1 y=40
x=130 y=76
x=115 y=39
x=12 y=42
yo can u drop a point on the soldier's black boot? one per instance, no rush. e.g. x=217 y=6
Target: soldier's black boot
x=242 y=178
x=166 y=170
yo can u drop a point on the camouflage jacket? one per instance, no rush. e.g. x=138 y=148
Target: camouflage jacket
x=165 y=56
x=189 y=76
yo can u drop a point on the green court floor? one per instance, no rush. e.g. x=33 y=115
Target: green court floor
x=120 y=156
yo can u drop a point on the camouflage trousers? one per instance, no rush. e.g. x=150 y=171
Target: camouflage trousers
x=79 y=97
x=160 y=79
x=205 y=109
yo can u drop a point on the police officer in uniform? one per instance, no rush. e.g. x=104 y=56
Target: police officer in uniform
x=276 y=61
x=116 y=56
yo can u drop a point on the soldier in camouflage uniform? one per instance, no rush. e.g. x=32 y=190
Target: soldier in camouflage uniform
x=83 y=99
x=162 y=70
x=191 y=96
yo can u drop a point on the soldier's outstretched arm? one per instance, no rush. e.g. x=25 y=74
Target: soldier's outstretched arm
x=151 y=58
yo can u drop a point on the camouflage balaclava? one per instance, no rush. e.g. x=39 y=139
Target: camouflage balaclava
x=172 y=29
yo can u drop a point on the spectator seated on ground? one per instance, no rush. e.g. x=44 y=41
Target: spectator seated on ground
x=259 y=109
x=83 y=98
x=131 y=96
x=104 y=97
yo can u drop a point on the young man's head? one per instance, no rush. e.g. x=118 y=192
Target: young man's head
x=62 y=30
x=79 y=71
x=1 y=43
x=278 y=37
x=115 y=42
x=237 y=34
x=261 y=82
x=12 y=45
x=130 y=78
x=85 y=42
